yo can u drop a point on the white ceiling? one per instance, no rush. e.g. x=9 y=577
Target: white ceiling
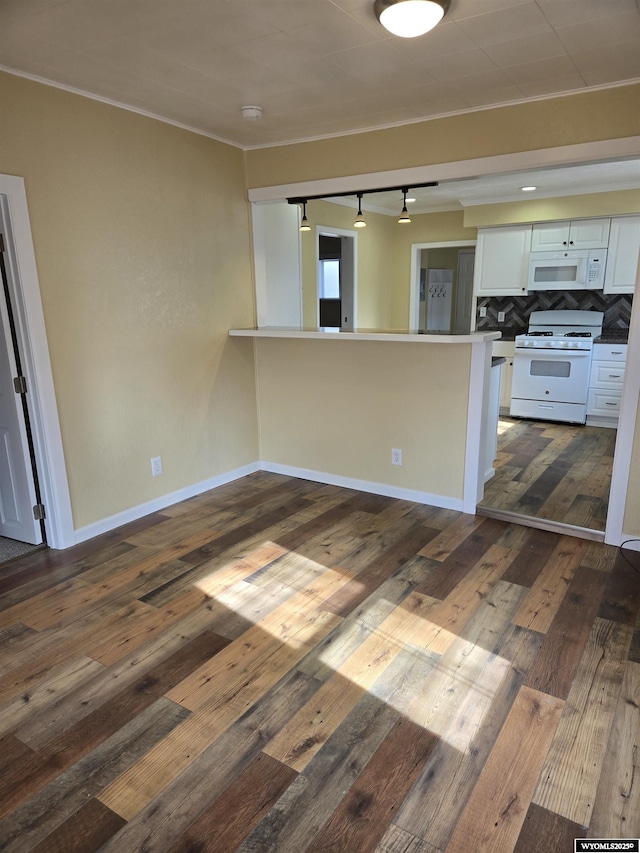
x=492 y=189
x=316 y=67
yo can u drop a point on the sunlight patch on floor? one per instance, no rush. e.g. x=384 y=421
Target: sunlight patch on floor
x=285 y=599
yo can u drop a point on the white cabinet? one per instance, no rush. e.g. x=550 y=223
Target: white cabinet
x=574 y=234
x=505 y=349
x=502 y=261
x=605 y=384
x=622 y=257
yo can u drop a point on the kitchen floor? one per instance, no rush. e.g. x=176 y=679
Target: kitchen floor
x=556 y=472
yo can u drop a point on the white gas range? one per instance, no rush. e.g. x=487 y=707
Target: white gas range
x=551 y=365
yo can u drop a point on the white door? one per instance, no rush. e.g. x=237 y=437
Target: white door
x=17 y=492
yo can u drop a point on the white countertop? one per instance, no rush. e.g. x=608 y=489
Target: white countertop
x=369 y=335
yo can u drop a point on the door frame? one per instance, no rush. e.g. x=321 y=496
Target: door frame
x=414 y=291
x=24 y=289
x=330 y=231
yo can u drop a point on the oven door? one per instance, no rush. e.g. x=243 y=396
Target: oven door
x=560 y=376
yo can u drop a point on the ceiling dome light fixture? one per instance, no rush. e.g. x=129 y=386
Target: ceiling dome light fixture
x=404 y=216
x=359 y=223
x=528 y=189
x=410 y=18
x=304 y=222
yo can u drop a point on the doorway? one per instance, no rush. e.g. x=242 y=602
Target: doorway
x=336 y=254
x=441 y=288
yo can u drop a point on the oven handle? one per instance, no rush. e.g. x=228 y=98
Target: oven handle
x=555 y=354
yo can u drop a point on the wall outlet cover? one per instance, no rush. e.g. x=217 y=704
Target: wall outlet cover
x=156 y=465
x=396 y=456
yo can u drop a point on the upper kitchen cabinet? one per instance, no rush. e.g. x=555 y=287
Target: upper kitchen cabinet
x=577 y=234
x=622 y=259
x=502 y=261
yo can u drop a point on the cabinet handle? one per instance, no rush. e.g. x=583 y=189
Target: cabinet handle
x=611 y=404
x=616 y=352
x=614 y=376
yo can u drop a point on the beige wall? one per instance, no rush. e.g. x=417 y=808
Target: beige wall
x=586 y=117
x=546 y=209
x=424 y=228
x=141 y=234
x=375 y=263
x=340 y=406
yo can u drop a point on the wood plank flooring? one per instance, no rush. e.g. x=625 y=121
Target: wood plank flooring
x=557 y=472
x=279 y=665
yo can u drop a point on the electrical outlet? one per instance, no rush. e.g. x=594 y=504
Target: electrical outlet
x=156 y=465
x=483 y=312
x=396 y=456
x=500 y=316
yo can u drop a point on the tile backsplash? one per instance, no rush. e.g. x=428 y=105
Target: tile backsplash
x=617 y=308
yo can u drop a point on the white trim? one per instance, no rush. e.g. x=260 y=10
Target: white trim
x=499 y=163
x=442 y=501
x=477 y=416
x=158 y=504
x=414 y=289
x=614 y=534
x=32 y=335
x=632 y=545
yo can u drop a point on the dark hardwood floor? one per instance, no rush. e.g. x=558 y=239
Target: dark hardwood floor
x=558 y=472
x=278 y=665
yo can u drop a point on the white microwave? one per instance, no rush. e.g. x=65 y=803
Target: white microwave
x=582 y=269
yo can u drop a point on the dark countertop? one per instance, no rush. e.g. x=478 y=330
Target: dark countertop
x=612 y=336
x=508 y=332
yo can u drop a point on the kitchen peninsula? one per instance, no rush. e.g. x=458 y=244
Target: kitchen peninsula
x=334 y=405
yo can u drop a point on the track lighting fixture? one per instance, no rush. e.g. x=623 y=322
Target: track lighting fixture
x=304 y=222
x=404 y=216
x=359 y=220
x=359 y=223
x=410 y=18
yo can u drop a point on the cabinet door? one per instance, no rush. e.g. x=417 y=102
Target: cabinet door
x=502 y=261
x=589 y=234
x=550 y=236
x=577 y=234
x=622 y=257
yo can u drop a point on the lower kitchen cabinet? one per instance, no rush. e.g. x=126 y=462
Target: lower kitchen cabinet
x=605 y=384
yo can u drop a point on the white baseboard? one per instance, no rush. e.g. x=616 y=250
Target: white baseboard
x=630 y=542
x=442 y=501
x=136 y=512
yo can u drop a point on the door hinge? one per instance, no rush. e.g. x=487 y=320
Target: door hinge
x=20 y=385
x=38 y=512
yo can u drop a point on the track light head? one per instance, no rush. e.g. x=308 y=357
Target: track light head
x=304 y=222
x=404 y=216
